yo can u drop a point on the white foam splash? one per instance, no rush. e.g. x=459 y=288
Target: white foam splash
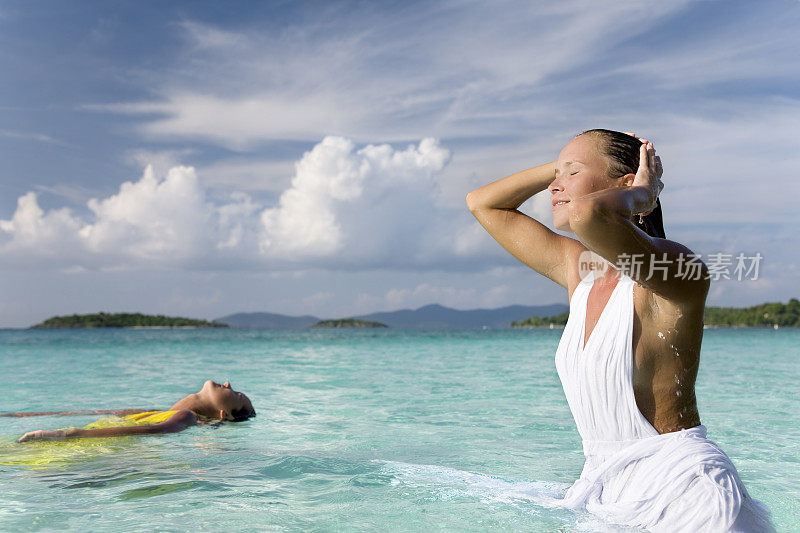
x=449 y=483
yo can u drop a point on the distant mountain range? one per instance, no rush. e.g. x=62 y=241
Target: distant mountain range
x=428 y=317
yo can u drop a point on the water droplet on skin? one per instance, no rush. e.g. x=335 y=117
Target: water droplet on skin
x=678 y=394
x=678 y=381
x=661 y=335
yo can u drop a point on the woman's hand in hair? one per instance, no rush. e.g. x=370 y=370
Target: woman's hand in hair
x=649 y=174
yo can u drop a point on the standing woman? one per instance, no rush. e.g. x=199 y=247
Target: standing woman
x=629 y=353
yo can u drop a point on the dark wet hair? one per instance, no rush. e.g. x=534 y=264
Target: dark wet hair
x=622 y=151
x=240 y=415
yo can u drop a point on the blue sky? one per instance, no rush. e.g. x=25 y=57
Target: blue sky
x=204 y=158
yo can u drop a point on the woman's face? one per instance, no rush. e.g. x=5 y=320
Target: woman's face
x=580 y=170
x=222 y=396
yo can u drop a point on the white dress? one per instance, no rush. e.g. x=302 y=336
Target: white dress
x=633 y=475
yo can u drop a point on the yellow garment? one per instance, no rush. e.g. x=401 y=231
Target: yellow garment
x=150 y=417
x=138 y=419
x=44 y=454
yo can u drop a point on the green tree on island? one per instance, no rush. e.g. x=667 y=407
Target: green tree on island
x=535 y=321
x=766 y=314
x=348 y=323
x=124 y=320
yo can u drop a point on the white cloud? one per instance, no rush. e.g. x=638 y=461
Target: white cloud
x=36 y=234
x=160 y=160
x=368 y=205
x=153 y=220
x=346 y=208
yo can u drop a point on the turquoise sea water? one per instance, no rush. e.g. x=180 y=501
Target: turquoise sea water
x=356 y=429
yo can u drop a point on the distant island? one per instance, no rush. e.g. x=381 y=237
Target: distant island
x=348 y=323
x=539 y=322
x=767 y=314
x=124 y=320
x=773 y=314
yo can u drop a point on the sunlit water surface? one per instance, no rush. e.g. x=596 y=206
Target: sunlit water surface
x=356 y=430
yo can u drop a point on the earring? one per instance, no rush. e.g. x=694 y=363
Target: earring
x=641 y=219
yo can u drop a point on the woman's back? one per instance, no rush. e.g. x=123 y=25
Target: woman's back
x=663 y=339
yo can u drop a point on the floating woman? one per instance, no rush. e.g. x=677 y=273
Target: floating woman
x=629 y=353
x=215 y=401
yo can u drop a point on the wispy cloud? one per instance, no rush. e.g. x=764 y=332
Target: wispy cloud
x=446 y=70
x=29 y=136
x=73 y=193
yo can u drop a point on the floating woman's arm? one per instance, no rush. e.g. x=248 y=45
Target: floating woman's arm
x=177 y=422
x=495 y=206
x=122 y=412
x=601 y=221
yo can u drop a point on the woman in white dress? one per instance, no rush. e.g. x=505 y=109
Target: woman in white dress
x=629 y=354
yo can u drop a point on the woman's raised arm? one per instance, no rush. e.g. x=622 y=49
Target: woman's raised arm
x=495 y=206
